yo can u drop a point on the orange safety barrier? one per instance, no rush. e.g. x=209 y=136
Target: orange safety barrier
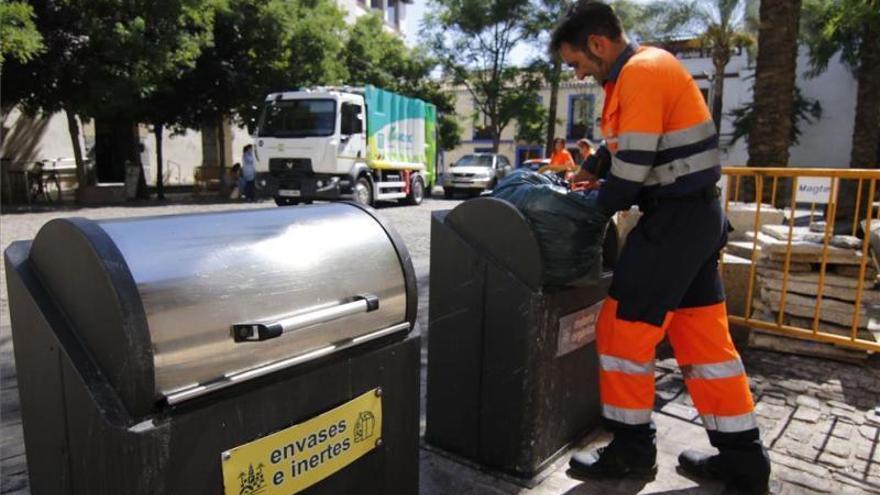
x=858 y=257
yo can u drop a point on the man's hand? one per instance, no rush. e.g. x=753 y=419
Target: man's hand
x=582 y=176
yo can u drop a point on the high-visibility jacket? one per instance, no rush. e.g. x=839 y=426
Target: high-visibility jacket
x=666 y=282
x=658 y=128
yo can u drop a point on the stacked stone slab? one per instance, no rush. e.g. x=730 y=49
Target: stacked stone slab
x=840 y=287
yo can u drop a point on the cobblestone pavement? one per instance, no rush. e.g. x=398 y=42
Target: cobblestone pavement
x=818 y=417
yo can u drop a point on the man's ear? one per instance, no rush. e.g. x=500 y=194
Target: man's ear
x=597 y=44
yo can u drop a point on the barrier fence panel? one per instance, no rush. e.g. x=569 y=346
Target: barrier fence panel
x=805 y=235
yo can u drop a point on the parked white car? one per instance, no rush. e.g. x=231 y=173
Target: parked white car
x=475 y=173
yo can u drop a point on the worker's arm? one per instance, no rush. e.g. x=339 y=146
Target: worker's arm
x=640 y=114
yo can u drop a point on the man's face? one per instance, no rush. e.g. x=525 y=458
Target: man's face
x=583 y=62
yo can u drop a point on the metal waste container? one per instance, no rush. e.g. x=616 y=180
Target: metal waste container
x=262 y=351
x=512 y=365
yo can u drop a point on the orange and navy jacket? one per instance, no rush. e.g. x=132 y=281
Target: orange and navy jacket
x=658 y=129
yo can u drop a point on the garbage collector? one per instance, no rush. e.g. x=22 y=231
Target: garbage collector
x=664 y=152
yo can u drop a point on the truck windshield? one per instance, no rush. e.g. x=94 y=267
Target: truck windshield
x=474 y=161
x=298 y=118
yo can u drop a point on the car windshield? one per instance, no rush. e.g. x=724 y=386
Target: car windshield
x=298 y=118
x=474 y=161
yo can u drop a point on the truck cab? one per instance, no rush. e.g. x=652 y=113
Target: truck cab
x=315 y=145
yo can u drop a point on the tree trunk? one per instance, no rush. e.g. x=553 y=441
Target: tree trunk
x=555 y=75
x=718 y=92
x=160 y=183
x=73 y=129
x=221 y=142
x=866 y=131
x=770 y=137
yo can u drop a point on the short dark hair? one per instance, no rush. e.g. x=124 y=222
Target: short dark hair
x=583 y=19
x=559 y=140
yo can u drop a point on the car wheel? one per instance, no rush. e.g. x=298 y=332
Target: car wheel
x=363 y=192
x=416 y=192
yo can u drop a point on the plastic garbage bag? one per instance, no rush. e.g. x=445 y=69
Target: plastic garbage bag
x=570 y=226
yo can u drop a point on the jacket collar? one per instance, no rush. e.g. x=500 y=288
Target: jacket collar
x=621 y=60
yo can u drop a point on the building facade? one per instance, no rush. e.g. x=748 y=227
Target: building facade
x=823 y=143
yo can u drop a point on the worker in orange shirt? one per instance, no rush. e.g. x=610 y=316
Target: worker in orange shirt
x=561 y=160
x=664 y=158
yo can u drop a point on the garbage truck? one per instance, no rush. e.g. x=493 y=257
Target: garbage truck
x=363 y=144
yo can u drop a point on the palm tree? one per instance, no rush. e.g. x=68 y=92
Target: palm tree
x=851 y=28
x=774 y=83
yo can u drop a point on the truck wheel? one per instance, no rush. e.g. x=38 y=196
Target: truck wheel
x=363 y=192
x=448 y=192
x=416 y=192
x=285 y=201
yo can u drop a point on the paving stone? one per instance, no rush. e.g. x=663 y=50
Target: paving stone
x=834 y=460
x=808 y=415
x=798 y=449
x=805 y=479
x=841 y=405
x=680 y=411
x=796 y=386
x=808 y=401
x=827 y=394
x=867 y=485
x=837 y=429
x=800 y=430
x=869 y=452
x=872 y=417
x=853 y=417
x=832 y=445
x=770 y=411
x=870 y=432
x=818 y=470
x=861 y=468
x=772 y=400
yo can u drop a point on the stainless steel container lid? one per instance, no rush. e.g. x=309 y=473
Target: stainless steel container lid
x=173 y=307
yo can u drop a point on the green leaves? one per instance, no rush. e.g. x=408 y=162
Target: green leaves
x=19 y=38
x=832 y=26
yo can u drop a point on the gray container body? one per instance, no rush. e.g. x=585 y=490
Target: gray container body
x=512 y=367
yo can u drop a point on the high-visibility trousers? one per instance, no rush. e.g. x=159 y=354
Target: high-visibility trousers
x=667 y=283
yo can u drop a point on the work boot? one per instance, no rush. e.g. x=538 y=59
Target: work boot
x=618 y=459
x=747 y=471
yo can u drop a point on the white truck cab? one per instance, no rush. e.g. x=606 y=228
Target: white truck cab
x=332 y=143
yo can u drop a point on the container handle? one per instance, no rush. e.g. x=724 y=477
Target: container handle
x=255 y=332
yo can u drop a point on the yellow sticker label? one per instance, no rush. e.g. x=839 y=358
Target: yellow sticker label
x=297 y=457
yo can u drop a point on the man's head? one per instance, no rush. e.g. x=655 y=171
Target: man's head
x=589 y=39
x=247 y=148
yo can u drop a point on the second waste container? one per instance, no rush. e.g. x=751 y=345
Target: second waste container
x=512 y=365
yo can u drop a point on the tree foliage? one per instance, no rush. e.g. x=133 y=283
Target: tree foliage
x=19 y=38
x=804 y=110
x=374 y=56
x=473 y=41
x=829 y=27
